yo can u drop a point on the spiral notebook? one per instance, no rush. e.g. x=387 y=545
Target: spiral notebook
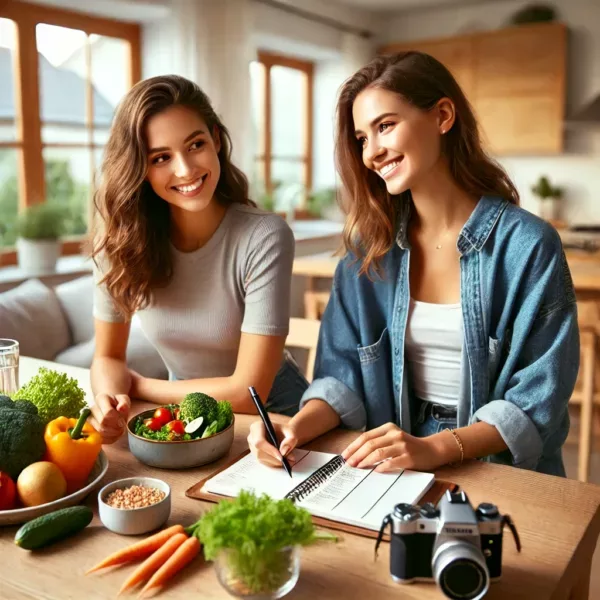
x=326 y=486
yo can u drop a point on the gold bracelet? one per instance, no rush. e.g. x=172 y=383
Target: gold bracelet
x=461 y=447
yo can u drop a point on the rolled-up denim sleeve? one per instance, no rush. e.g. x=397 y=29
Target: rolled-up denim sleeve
x=535 y=402
x=337 y=374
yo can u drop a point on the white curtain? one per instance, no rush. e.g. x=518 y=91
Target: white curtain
x=213 y=46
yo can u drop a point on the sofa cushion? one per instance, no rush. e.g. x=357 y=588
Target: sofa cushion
x=76 y=298
x=31 y=314
x=141 y=355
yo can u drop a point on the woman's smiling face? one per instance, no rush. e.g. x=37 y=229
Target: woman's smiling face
x=399 y=141
x=183 y=162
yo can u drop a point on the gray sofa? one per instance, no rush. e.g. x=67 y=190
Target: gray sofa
x=57 y=324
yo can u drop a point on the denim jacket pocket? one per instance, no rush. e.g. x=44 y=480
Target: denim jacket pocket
x=494 y=354
x=376 y=370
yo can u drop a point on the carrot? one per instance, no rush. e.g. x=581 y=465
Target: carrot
x=179 y=559
x=138 y=550
x=154 y=562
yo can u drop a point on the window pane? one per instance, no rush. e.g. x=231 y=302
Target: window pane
x=257 y=99
x=62 y=70
x=68 y=183
x=111 y=58
x=288 y=183
x=8 y=132
x=288 y=94
x=9 y=195
x=98 y=158
x=101 y=135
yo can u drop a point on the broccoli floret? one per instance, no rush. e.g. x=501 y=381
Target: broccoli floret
x=225 y=415
x=26 y=406
x=5 y=401
x=21 y=437
x=55 y=395
x=198 y=405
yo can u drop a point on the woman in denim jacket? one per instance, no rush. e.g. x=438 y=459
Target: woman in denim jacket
x=451 y=332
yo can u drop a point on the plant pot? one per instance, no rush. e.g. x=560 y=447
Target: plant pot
x=268 y=577
x=36 y=257
x=549 y=209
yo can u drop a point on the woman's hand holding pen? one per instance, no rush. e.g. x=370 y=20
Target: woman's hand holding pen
x=395 y=449
x=265 y=451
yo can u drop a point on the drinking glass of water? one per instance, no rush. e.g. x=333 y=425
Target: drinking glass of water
x=9 y=366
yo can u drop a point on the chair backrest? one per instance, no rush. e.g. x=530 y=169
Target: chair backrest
x=315 y=303
x=304 y=334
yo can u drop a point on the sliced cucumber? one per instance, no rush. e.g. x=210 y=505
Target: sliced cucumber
x=194 y=425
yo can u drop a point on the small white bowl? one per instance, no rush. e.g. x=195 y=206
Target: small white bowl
x=134 y=521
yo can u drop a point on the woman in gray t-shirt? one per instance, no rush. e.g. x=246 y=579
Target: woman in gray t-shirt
x=178 y=242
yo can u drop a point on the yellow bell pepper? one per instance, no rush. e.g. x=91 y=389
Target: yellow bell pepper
x=73 y=446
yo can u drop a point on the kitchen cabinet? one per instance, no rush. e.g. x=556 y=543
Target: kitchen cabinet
x=515 y=80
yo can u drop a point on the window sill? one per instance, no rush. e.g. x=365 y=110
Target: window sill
x=67 y=265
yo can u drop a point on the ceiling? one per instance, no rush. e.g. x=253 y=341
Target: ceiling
x=393 y=5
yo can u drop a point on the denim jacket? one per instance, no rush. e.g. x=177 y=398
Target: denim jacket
x=520 y=353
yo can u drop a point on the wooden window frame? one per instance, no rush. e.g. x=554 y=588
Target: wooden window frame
x=31 y=176
x=269 y=60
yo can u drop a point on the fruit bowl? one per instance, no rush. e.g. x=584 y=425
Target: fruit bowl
x=181 y=454
x=17 y=516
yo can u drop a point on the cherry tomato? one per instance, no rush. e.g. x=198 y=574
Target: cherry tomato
x=176 y=413
x=153 y=424
x=8 y=492
x=163 y=415
x=176 y=427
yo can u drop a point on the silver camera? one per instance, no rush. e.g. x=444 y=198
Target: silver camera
x=457 y=547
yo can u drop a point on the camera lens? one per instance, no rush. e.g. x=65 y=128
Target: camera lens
x=460 y=571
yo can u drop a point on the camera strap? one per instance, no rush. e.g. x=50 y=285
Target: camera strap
x=386 y=521
x=506 y=520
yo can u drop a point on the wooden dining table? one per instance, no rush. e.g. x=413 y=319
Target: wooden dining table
x=558 y=521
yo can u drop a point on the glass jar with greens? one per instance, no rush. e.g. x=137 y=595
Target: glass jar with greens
x=255 y=543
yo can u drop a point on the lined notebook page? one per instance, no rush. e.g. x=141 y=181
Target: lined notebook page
x=249 y=474
x=358 y=497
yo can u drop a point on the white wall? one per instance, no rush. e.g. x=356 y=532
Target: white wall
x=578 y=169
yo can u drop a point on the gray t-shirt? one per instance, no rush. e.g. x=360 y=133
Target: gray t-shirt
x=239 y=281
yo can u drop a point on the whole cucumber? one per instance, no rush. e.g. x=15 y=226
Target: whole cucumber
x=52 y=527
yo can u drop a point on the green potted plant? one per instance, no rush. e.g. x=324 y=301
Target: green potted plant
x=255 y=544
x=549 y=197
x=322 y=204
x=39 y=228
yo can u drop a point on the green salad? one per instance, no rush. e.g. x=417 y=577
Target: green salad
x=197 y=416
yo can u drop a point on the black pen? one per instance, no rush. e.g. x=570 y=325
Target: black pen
x=269 y=427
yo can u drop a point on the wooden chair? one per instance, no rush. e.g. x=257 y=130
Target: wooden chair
x=304 y=334
x=585 y=389
x=315 y=303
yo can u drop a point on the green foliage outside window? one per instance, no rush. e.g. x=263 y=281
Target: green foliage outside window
x=61 y=190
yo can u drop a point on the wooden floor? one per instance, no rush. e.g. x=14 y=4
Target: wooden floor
x=570 y=458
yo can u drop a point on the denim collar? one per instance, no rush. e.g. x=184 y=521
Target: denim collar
x=475 y=232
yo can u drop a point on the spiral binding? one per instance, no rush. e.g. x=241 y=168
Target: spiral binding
x=310 y=484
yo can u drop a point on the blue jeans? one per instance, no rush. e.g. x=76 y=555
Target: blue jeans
x=287 y=389
x=431 y=418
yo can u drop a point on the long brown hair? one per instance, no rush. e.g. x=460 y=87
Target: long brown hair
x=130 y=237
x=422 y=81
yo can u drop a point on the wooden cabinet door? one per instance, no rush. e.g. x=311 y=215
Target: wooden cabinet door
x=519 y=88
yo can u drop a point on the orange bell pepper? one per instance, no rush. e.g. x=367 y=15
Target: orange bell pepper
x=73 y=446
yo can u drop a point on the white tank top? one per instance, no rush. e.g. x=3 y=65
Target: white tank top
x=433 y=347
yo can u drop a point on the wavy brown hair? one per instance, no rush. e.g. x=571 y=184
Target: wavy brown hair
x=422 y=81
x=132 y=223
